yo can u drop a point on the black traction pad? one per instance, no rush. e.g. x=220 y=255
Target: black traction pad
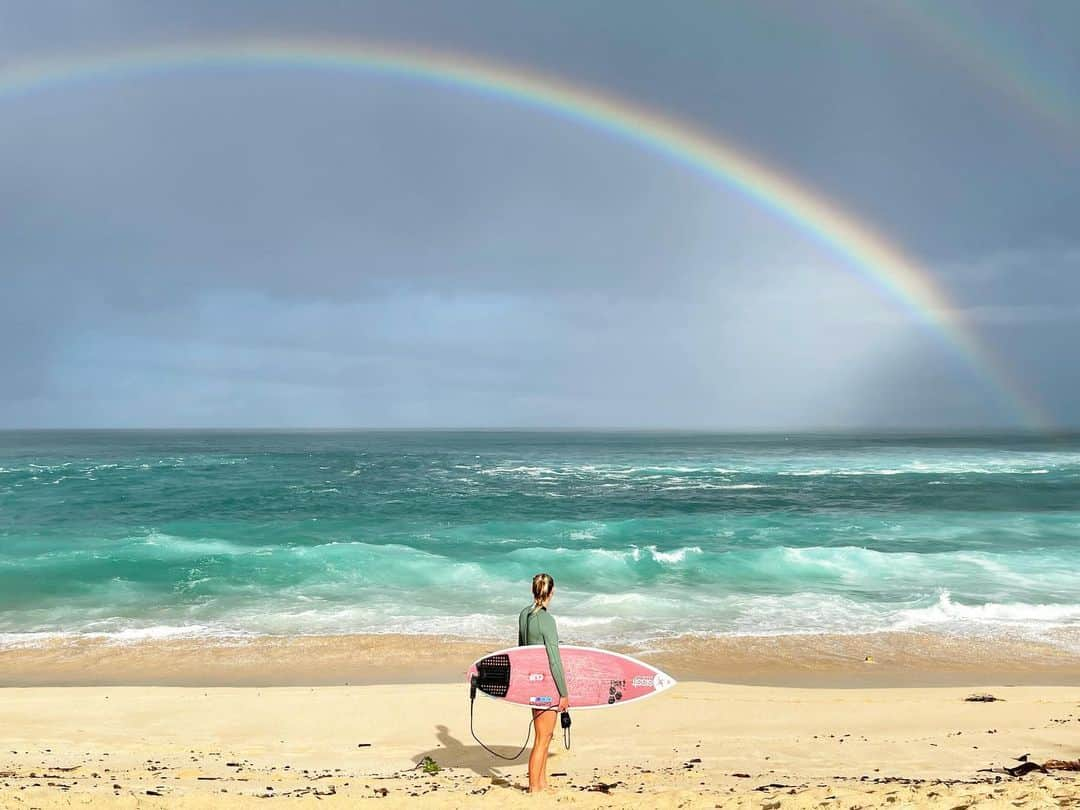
x=493 y=675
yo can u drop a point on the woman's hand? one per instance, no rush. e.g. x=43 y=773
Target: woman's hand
x=564 y=704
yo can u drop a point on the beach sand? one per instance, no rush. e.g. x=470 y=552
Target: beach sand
x=826 y=743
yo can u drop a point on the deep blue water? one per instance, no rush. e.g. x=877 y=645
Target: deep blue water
x=133 y=534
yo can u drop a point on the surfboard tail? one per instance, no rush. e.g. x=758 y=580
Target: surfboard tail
x=493 y=675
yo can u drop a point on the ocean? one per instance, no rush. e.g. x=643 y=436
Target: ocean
x=128 y=535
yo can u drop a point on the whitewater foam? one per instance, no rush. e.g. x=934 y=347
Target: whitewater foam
x=990 y=614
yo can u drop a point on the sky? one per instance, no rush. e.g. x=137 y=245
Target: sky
x=288 y=247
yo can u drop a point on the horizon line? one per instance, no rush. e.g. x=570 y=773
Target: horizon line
x=732 y=431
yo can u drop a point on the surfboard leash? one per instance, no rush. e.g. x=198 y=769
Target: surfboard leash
x=528 y=732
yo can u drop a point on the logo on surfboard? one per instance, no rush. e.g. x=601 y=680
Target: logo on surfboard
x=615 y=690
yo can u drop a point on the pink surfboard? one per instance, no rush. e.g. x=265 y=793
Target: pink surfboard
x=595 y=678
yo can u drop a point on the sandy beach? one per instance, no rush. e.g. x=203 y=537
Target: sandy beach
x=704 y=744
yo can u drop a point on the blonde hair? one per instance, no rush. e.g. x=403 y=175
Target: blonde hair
x=542 y=586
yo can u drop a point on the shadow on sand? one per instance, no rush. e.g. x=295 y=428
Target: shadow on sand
x=452 y=753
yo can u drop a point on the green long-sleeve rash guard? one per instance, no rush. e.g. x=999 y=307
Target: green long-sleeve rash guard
x=539 y=628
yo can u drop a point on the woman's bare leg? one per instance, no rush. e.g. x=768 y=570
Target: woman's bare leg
x=544 y=754
x=544 y=725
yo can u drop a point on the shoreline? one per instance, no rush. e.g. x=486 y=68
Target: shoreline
x=824 y=661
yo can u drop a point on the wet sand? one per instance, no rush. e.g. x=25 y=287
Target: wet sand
x=895 y=659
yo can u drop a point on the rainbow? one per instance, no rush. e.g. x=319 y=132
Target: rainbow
x=864 y=252
x=988 y=56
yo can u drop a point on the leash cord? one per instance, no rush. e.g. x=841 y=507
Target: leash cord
x=528 y=732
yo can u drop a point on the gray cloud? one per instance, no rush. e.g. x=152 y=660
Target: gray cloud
x=286 y=247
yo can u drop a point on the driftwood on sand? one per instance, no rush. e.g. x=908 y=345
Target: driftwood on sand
x=1027 y=766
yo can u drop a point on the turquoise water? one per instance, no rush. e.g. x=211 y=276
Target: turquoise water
x=146 y=534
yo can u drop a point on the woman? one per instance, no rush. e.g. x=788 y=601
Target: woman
x=537 y=626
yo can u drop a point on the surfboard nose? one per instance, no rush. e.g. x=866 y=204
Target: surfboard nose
x=662 y=681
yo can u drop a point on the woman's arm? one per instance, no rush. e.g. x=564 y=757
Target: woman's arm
x=551 y=644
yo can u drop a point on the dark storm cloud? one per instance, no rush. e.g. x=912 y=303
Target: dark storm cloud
x=296 y=248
